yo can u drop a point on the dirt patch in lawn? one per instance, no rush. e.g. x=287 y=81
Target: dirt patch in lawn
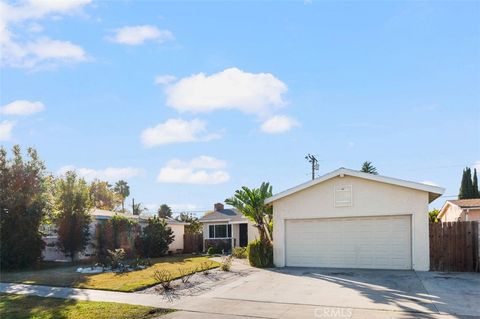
x=198 y=284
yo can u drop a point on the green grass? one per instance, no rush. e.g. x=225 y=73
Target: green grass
x=67 y=276
x=22 y=306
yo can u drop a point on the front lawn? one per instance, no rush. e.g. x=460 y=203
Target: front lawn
x=130 y=281
x=22 y=306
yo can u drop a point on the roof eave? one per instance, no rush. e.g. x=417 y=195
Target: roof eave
x=434 y=191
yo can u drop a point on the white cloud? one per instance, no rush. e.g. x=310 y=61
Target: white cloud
x=109 y=173
x=6 y=130
x=46 y=49
x=135 y=35
x=22 y=107
x=252 y=93
x=42 y=50
x=200 y=170
x=278 y=124
x=183 y=207
x=176 y=131
x=38 y=9
x=429 y=183
x=164 y=79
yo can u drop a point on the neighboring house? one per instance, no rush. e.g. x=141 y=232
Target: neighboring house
x=462 y=210
x=350 y=219
x=51 y=251
x=228 y=226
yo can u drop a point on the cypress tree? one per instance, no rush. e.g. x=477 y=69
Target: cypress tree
x=469 y=183
x=476 y=193
x=463 y=186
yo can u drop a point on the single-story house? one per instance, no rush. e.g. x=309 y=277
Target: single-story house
x=462 y=210
x=52 y=252
x=228 y=226
x=351 y=219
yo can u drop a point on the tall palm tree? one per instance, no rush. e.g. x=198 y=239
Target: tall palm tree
x=251 y=203
x=367 y=167
x=122 y=189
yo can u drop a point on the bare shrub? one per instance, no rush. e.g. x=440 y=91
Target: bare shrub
x=226 y=263
x=205 y=267
x=186 y=274
x=164 y=278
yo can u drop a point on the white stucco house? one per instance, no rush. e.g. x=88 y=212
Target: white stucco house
x=351 y=219
x=227 y=225
x=51 y=251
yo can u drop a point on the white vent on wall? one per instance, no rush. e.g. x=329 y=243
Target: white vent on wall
x=343 y=196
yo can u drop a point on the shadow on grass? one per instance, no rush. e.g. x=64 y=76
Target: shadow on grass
x=23 y=306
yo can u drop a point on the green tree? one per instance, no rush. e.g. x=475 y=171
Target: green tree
x=156 y=238
x=72 y=205
x=193 y=227
x=476 y=192
x=251 y=203
x=433 y=215
x=137 y=208
x=367 y=167
x=22 y=208
x=123 y=190
x=102 y=196
x=466 y=187
x=164 y=211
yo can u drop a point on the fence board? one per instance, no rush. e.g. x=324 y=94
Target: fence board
x=192 y=243
x=454 y=246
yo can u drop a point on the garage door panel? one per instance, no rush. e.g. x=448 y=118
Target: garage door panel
x=369 y=242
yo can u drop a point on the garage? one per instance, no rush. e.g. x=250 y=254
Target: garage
x=352 y=219
x=370 y=242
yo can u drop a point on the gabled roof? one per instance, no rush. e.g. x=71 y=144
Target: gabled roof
x=223 y=215
x=466 y=203
x=108 y=214
x=433 y=191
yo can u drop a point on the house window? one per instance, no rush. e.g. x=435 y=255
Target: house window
x=220 y=231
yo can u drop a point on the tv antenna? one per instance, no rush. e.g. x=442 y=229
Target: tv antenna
x=313 y=160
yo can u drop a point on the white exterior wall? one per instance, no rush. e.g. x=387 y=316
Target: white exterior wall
x=452 y=213
x=370 y=198
x=178 y=231
x=252 y=231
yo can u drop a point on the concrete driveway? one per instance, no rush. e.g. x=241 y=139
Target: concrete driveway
x=340 y=293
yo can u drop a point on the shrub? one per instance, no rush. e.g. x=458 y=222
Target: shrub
x=220 y=245
x=205 y=267
x=185 y=274
x=239 y=252
x=211 y=250
x=164 y=278
x=260 y=254
x=156 y=238
x=226 y=263
x=116 y=257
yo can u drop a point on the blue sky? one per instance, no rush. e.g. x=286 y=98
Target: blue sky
x=190 y=101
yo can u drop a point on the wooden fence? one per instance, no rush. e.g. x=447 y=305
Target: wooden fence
x=454 y=246
x=192 y=243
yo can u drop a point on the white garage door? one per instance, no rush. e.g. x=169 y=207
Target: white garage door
x=366 y=242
